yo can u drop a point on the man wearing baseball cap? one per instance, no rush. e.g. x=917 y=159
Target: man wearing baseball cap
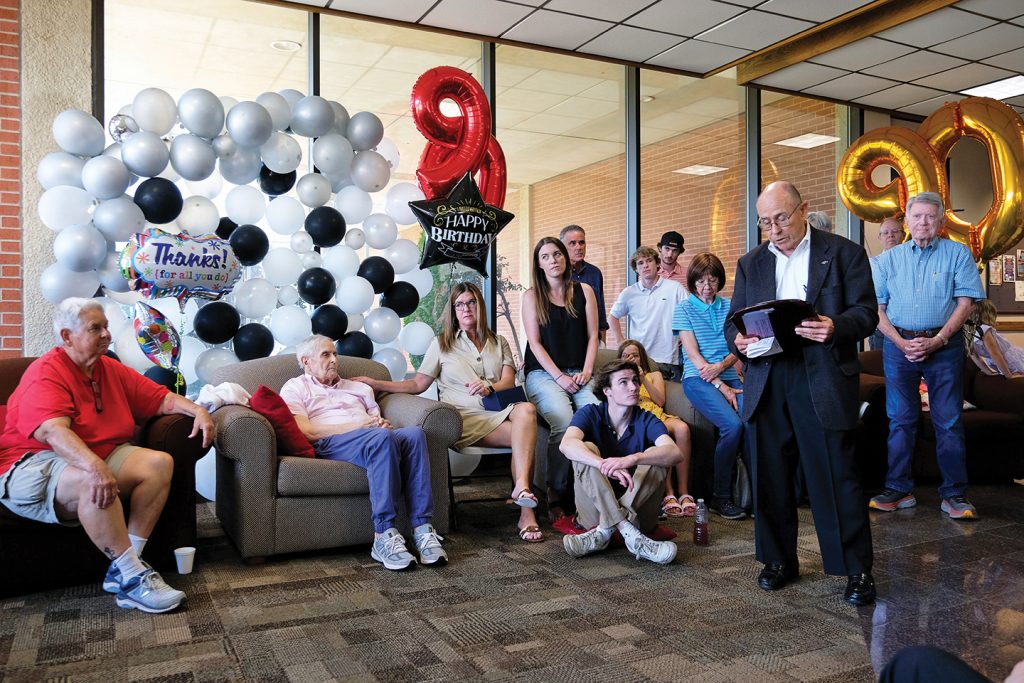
x=670 y=247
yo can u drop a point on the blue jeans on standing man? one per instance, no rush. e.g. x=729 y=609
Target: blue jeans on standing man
x=943 y=372
x=556 y=406
x=710 y=403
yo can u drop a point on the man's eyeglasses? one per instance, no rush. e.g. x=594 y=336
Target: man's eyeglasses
x=780 y=221
x=97 y=401
x=464 y=305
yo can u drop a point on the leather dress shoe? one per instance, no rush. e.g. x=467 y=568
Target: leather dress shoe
x=860 y=590
x=775 y=575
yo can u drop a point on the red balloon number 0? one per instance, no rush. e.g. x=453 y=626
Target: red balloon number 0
x=456 y=144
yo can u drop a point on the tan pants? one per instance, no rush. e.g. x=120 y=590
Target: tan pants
x=597 y=505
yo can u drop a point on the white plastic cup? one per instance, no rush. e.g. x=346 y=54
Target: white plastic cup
x=184 y=557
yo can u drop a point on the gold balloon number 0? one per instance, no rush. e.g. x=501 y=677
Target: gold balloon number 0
x=919 y=157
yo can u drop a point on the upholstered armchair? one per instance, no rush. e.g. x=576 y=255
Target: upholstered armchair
x=270 y=504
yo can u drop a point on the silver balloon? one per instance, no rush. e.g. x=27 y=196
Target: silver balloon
x=118 y=219
x=224 y=146
x=364 y=131
x=77 y=132
x=281 y=153
x=313 y=190
x=341 y=118
x=208 y=187
x=105 y=177
x=380 y=230
x=154 y=110
x=394 y=361
x=332 y=154
x=61 y=168
x=249 y=124
x=193 y=157
x=242 y=167
x=340 y=182
x=370 y=171
x=312 y=116
x=211 y=360
x=382 y=325
x=201 y=113
x=121 y=126
x=291 y=96
x=311 y=259
x=57 y=283
x=80 y=248
x=145 y=154
x=110 y=273
x=278 y=108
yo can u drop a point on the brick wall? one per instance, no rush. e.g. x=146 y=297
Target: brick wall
x=10 y=183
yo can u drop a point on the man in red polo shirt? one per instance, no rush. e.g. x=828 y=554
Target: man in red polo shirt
x=66 y=456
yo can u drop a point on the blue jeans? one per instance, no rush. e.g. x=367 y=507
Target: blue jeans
x=556 y=406
x=710 y=403
x=943 y=372
x=394 y=460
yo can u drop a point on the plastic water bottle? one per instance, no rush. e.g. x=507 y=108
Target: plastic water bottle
x=701 y=533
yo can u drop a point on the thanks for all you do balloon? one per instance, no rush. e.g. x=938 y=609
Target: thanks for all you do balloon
x=159 y=264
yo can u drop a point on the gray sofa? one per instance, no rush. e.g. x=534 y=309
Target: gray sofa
x=270 y=505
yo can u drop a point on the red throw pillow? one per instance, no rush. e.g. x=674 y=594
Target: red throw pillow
x=290 y=440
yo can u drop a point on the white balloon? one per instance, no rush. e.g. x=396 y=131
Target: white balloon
x=355 y=322
x=77 y=132
x=111 y=276
x=124 y=298
x=285 y=215
x=80 y=248
x=394 y=361
x=118 y=219
x=312 y=116
x=313 y=190
x=249 y=124
x=397 y=202
x=130 y=353
x=281 y=266
x=402 y=255
x=416 y=337
x=154 y=110
x=242 y=167
x=57 y=283
x=389 y=151
x=171 y=309
x=290 y=325
x=281 y=153
x=111 y=309
x=311 y=259
x=301 y=242
x=354 y=295
x=60 y=168
x=208 y=187
x=380 y=230
x=355 y=204
x=65 y=205
x=278 y=108
x=422 y=280
x=382 y=325
x=332 y=154
x=342 y=262
x=355 y=238
x=145 y=154
x=364 y=130
x=288 y=295
x=201 y=113
x=370 y=171
x=245 y=205
x=255 y=298
x=190 y=350
x=193 y=157
x=206 y=475
x=199 y=216
x=212 y=360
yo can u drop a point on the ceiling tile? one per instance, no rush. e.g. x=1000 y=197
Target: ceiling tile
x=800 y=76
x=697 y=56
x=399 y=10
x=850 y=87
x=862 y=53
x=483 y=17
x=630 y=43
x=936 y=27
x=819 y=10
x=754 y=30
x=585 y=108
x=987 y=42
x=963 y=77
x=561 y=83
x=553 y=29
x=549 y=123
x=1010 y=60
x=997 y=9
x=527 y=100
x=899 y=96
x=915 y=65
x=609 y=10
x=687 y=19
x=929 y=106
x=609 y=91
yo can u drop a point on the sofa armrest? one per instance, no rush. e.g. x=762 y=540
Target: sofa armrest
x=438 y=420
x=170 y=433
x=998 y=393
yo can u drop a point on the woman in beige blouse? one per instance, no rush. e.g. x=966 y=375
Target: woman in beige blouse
x=469 y=361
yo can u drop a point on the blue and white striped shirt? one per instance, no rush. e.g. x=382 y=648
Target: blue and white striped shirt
x=707 y=322
x=919 y=287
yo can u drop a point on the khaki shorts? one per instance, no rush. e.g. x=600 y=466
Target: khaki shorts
x=29 y=488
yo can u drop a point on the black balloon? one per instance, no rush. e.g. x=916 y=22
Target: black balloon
x=402 y=298
x=355 y=344
x=274 y=183
x=159 y=199
x=326 y=226
x=225 y=228
x=216 y=322
x=330 y=321
x=253 y=341
x=460 y=227
x=167 y=378
x=378 y=271
x=316 y=286
x=249 y=243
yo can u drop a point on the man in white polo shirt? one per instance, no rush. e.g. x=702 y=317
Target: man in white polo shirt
x=649 y=303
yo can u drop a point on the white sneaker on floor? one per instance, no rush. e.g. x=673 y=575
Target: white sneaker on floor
x=148 y=592
x=428 y=545
x=644 y=548
x=389 y=549
x=586 y=543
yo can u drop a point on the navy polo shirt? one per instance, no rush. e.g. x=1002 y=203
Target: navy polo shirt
x=641 y=433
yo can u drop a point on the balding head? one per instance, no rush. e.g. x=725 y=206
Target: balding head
x=890 y=233
x=782 y=216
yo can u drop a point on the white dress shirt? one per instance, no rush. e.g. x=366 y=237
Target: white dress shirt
x=791 y=271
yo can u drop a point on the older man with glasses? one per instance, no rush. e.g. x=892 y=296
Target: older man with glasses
x=890 y=234
x=801 y=404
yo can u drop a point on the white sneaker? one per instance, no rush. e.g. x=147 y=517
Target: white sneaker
x=389 y=549
x=644 y=548
x=428 y=545
x=148 y=592
x=588 y=542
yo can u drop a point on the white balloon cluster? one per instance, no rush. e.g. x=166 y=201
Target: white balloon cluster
x=198 y=143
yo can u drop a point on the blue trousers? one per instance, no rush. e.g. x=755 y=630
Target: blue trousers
x=710 y=403
x=943 y=372
x=395 y=460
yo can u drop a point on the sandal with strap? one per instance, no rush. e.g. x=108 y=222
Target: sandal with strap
x=524 y=499
x=670 y=505
x=688 y=505
x=526 y=532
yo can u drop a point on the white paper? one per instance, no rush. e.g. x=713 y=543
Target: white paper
x=763 y=347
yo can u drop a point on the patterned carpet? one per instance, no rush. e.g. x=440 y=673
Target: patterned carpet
x=503 y=610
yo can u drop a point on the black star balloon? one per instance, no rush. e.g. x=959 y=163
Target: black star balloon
x=460 y=227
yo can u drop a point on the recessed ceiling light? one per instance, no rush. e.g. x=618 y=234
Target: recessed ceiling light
x=648 y=98
x=1000 y=90
x=286 y=45
x=449 y=108
x=700 y=169
x=808 y=141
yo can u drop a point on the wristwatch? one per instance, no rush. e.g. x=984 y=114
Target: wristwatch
x=945 y=342
x=717 y=384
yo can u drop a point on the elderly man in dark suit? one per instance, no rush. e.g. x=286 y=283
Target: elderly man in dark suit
x=802 y=403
